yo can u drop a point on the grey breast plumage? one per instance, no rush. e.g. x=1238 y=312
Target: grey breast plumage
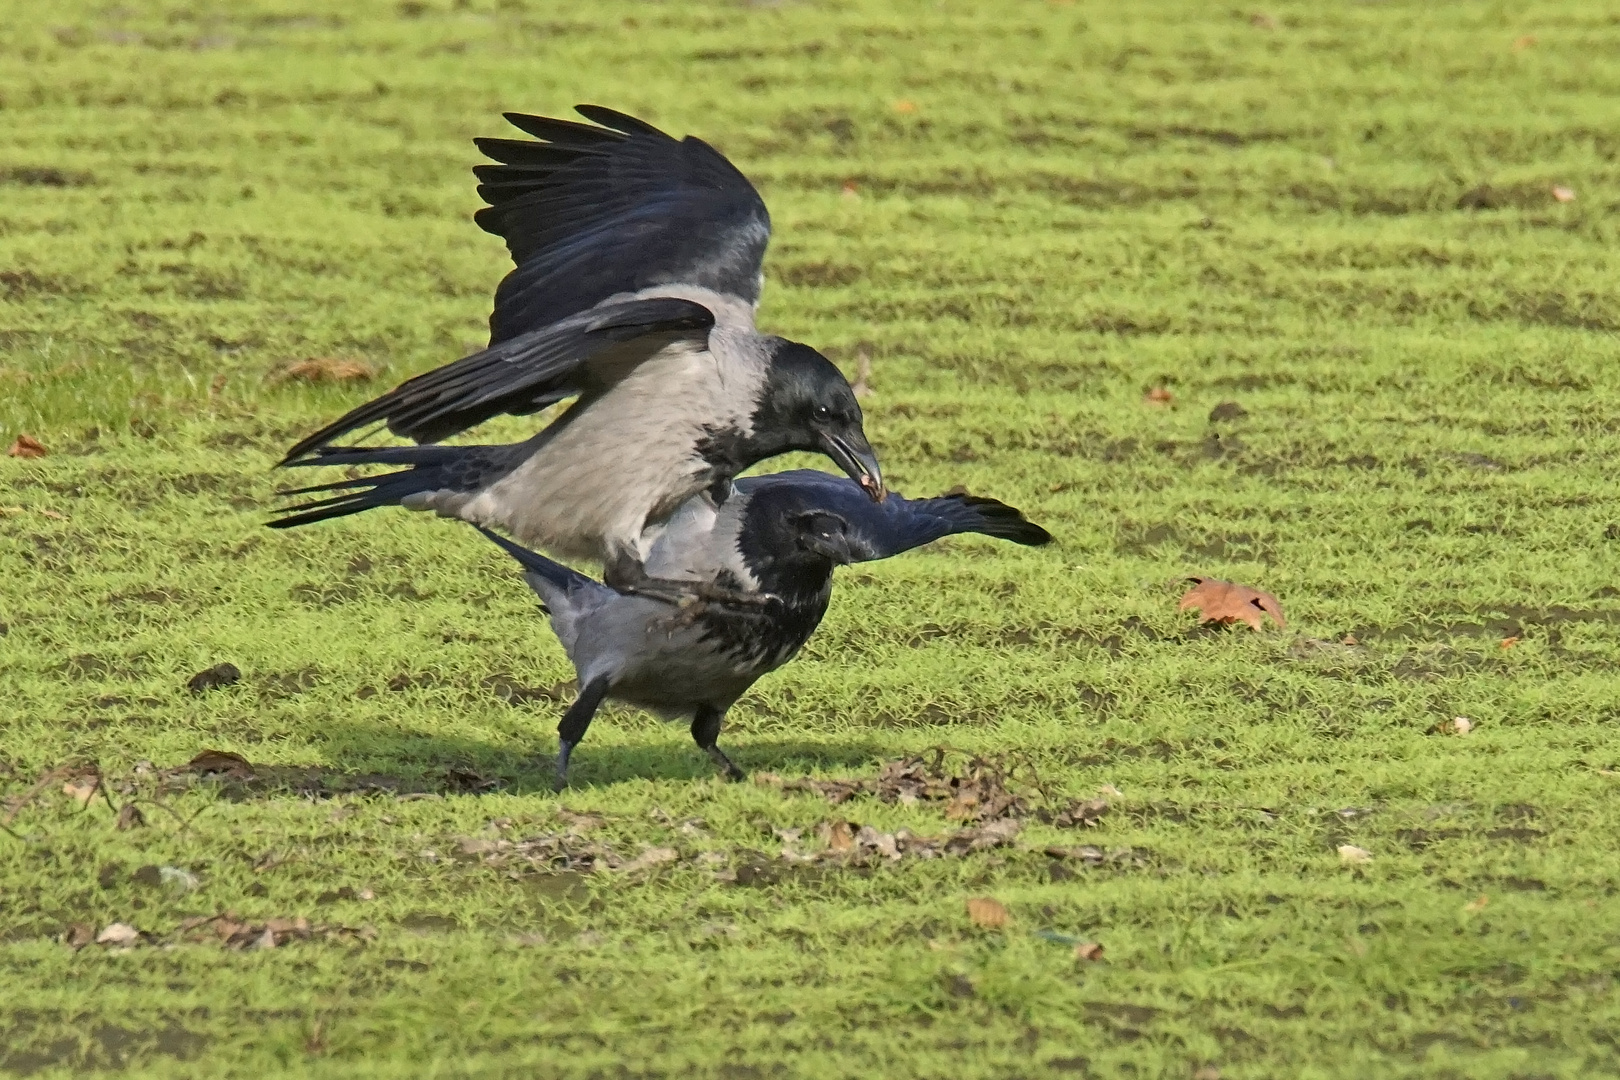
x=638 y=266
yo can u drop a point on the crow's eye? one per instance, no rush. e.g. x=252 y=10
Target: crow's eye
x=821 y=412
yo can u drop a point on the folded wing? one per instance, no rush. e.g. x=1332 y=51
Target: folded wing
x=522 y=374
x=591 y=211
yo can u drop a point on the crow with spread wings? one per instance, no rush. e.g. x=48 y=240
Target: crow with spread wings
x=638 y=268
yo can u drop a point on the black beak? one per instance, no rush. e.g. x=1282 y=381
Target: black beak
x=834 y=547
x=855 y=456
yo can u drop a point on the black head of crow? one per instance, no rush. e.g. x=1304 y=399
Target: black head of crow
x=776 y=541
x=805 y=403
x=638 y=269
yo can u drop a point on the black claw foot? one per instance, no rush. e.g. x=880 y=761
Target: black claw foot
x=565 y=750
x=725 y=764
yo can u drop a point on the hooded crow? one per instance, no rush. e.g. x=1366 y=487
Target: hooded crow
x=779 y=535
x=638 y=268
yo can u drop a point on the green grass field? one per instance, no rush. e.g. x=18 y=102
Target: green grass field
x=1340 y=217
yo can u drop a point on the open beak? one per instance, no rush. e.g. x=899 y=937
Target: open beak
x=854 y=455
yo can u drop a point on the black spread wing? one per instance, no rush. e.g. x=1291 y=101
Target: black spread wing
x=520 y=375
x=590 y=212
x=897 y=524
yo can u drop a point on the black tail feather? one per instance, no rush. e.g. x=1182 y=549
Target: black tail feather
x=432 y=468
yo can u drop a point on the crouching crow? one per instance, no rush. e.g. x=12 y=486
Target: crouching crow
x=776 y=538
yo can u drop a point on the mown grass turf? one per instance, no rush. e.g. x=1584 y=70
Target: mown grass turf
x=1339 y=217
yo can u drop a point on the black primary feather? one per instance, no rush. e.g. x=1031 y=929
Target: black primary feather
x=519 y=376
x=431 y=469
x=594 y=211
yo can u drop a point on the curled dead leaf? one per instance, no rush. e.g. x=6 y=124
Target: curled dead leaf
x=850 y=190
x=1562 y=193
x=863 y=372
x=129 y=817
x=1158 y=395
x=1226 y=602
x=1350 y=855
x=653 y=856
x=82 y=788
x=324 y=369
x=838 y=836
x=1523 y=42
x=1509 y=642
x=26 y=447
x=905 y=105
x=118 y=934
x=1477 y=904
x=988 y=912
x=1088 y=950
x=221 y=762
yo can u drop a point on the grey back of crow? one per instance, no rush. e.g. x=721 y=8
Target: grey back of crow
x=638 y=267
x=780 y=537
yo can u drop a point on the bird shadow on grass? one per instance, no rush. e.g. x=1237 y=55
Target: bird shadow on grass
x=368 y=759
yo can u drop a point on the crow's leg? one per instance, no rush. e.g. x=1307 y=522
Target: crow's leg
x=573 y=725
x=705 y=730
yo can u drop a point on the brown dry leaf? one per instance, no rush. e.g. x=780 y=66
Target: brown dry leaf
x=324 y=369
x=118 y=934
x=129 y=817
x=987 y=912
x=1159 y=395
x=850 y=190
x=1082 y=813
x=1207 y=1072
x=863 y=372
x=1350 y=855
x=82 y=788
x=78 y=935
x=1088 y=950
x=839 y=836
x=1562 y=193
x=1523 y=42
x=222 y=762
x=1263 y=21
x=1509 y=642
x=26 y=447
x=654 y=856
x=1477 y=904
x=905 y=105
x=1226 y=602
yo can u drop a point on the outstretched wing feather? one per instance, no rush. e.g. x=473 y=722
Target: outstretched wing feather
x=596 y=211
